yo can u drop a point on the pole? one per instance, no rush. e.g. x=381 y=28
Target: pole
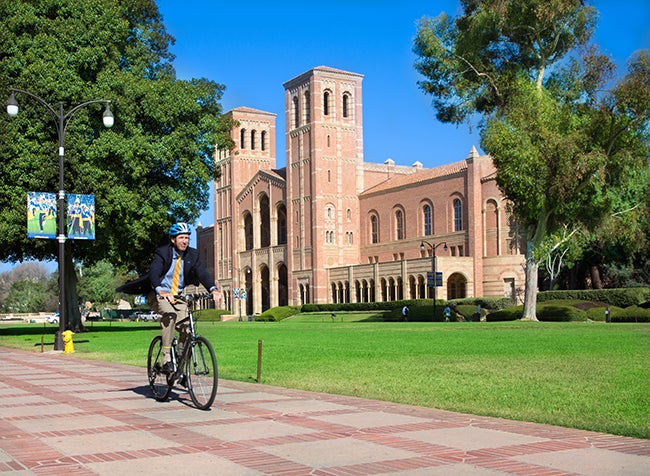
x=58 y=344
x=259 y=361
x=61 y=119
x=433 y=247
x=435 y=283
x=239 y=299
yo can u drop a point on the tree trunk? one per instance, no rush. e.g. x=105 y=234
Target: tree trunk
x=596 y=282
x=530 y=294
x=73 y=315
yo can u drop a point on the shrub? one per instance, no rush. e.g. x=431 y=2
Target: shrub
x=210 y=314
x=350 y=306
x=489 y=303
x=278 y=313
x=634 y=314
x=559 y=313
x=467 y=311
x=614 y=297
x=511 y=313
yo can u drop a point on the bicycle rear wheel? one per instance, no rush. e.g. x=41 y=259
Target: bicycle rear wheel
x=158 y=382
x=202 y=373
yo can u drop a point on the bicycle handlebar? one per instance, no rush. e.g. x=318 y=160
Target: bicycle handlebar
x=190 y=298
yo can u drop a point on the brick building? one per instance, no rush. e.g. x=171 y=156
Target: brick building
x=330 y=227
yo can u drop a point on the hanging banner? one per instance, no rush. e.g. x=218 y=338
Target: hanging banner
x=81 y=216
x=41 y=215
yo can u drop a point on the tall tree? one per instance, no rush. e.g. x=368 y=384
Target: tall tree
x=152 y=168
x=97 y=283
x=559 y=143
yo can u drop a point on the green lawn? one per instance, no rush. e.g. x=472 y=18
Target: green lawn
x=592 y=376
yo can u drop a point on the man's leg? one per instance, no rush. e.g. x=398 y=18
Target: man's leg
x=183 y=328
x=170 y=314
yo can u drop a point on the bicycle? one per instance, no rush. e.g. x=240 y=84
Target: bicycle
x=195 y=369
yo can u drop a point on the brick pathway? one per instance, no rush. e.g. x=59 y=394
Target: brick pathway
x=61 y=415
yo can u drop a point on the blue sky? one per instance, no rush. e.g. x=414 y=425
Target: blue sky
x=253 y=47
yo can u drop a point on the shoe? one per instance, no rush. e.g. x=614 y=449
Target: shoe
x=168 y=368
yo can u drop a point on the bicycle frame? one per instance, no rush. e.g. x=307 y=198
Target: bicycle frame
x=196 y=368
x=179 y=361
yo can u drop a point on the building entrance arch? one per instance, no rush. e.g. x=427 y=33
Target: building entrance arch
x=456 y=286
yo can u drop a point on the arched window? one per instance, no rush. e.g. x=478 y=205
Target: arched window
x=458 y=215
x=282 y=225
x=426 y=219
x=374 y=229
x=253 y=134
x=491 y=229
x=307 y=107
x=242 y=139
x=296 y=113
x=399 y=225
x=263 y=140
x=248 y=231
x=265 y=222
x=346 y=105
x=326 y=103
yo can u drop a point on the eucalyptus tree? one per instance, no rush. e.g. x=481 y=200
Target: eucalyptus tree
x=151 y=168
x=562 y=143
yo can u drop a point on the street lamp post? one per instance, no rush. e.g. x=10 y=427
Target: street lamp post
x=433 y=267
x=239 y=294
x=61 y=118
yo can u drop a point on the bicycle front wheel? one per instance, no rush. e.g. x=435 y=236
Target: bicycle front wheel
x=158 y=382
x=202 y=373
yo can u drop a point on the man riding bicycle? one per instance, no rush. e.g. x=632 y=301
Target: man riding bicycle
x=174 y=266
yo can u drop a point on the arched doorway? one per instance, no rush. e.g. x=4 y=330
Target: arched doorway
x=456 y=286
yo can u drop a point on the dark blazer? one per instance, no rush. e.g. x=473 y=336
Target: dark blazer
x=193 y=270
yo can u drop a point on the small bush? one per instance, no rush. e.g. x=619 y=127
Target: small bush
x=278 y=313
x=511 y=313
x=559 y=313
x=632 y=314
x=210 y=314
x=466 y=312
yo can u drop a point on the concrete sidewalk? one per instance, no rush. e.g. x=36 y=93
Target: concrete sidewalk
x=63 y=415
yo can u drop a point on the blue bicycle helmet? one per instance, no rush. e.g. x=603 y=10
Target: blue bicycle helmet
x=179 y=229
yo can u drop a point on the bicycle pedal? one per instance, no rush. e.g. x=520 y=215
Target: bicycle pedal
x=182 y=380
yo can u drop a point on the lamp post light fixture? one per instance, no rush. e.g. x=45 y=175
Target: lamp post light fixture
x=433 y=267
x=61 y=119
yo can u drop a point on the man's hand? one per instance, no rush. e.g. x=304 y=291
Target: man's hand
x=166 y=295
x=216 y=297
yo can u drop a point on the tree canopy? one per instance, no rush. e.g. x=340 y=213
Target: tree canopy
x=567 y=140
x=150 y=169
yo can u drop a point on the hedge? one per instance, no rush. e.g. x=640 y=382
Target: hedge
x=420 y=310
x=620 y=297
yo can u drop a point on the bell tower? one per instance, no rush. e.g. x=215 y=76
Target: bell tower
x=324 y=142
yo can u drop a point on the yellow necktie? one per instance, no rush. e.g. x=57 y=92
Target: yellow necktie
x=176 y=277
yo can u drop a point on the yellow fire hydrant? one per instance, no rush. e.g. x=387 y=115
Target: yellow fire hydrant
x=68 y=345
